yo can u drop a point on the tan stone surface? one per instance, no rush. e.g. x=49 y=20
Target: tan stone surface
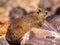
x=29 y=5
x=41 y=37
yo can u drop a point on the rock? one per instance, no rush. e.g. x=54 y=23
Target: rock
x=29 y=5
x=56 y=22
x=3 y=40
x=55 y=7
x=41 y=37
x=46 y=4
x=17 y=13
x=4 y=15
x=56 y=1
x=4 y=20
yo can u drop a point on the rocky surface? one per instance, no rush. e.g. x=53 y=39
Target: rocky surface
x=3 y=40
x=41 y=37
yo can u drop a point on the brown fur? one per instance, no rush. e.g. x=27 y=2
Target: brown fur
x=21 y=25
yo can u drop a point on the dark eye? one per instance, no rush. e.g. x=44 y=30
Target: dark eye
x=1 y=23
x=46 y=12
x=39 y=10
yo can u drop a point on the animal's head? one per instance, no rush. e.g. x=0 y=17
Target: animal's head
x=42 y=13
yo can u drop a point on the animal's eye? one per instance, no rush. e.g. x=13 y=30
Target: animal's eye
x=46 y=12
x=39 y=10
x=1 y=23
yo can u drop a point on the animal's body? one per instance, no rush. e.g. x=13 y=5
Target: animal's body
x=23 y=24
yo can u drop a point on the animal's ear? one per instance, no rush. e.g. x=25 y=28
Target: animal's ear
x=39 y=10
x=46 y=12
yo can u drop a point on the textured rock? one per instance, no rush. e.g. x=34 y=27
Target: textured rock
x=41 y=37
x=4 y=15
x=3 y=40
x=55 y=7
x=4 y=20
x=29 y=5
x=56 y=22
x=3 y=28
x=17 y=13
x=46 y=4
